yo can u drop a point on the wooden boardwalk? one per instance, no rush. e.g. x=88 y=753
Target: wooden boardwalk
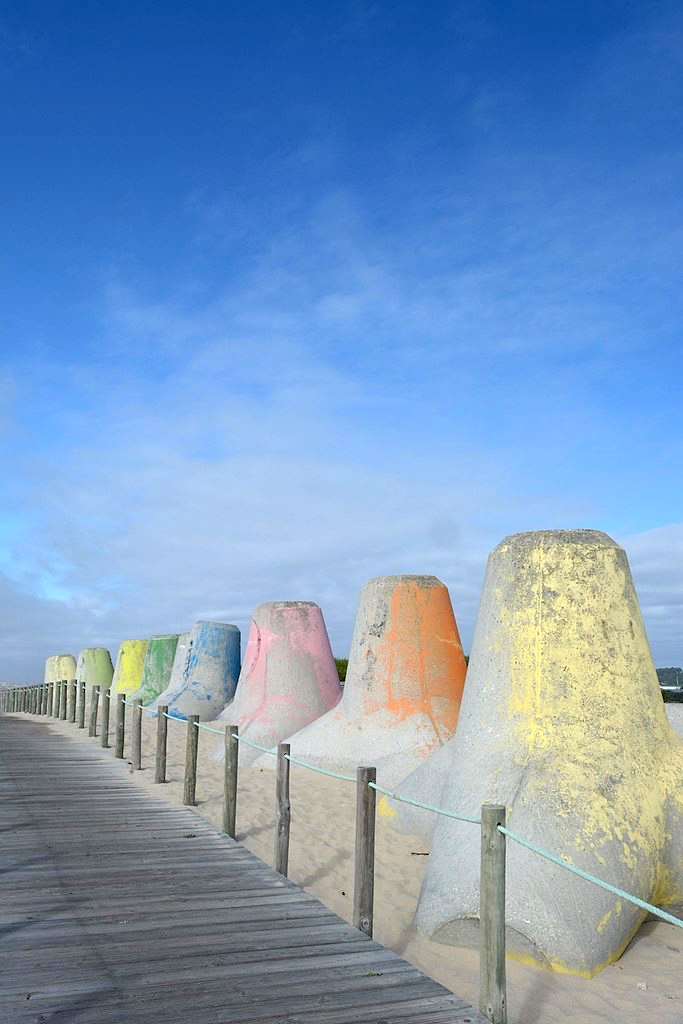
x=117 y=908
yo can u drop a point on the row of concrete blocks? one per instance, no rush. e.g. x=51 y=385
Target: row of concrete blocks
x=561 y=720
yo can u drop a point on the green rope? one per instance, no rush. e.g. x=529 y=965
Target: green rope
x=590 y=878
x=256 y=746
x=322 y=771
x=218 y=732
x=426 y=807
x=174 y=718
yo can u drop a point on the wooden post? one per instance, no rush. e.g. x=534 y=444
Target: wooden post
x=364 y=871
x=191 y=750
x=104 y=726
x=57 y=698
x=162 y=737
x=283 y=810
x=43 y=699
x=81 y=704
x=120 y=740
x=492 y=998
x=62 y=702
x=232 y=748
x=137 y=735
x=73 y=688
x=50 y=698
x=94 y=701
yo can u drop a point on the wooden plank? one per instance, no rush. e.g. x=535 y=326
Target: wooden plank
x=162 y=741
x=94 y=701
x=84 y=938
x=136 y=739
x=492 y=998
x=120 y=725
x=230 y=779
x=364 y=861
x=191 y=752
x=282 y=810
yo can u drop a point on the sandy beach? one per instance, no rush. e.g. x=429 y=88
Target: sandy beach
x=644 y=985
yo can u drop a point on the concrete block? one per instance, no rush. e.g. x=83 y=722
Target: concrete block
x=674 y=712
x=288 y=677
x=208 y=677
x=179 y=660
x=130 y=662
x=563 y=722
x=59 y=666
x=403 y=685
x=94 y=667
x=157 y=667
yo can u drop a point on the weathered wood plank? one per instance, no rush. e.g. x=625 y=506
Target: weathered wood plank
x=119 y=907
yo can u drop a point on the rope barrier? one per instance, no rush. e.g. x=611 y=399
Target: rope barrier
x=256 y=746
x=207 y=728
x=590 y=878
x=546 y=854
x=426 y=807
x=321 y=771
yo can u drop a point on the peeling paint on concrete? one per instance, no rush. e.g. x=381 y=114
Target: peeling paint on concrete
x=210 y=669
x=403 y=685
x=563 y=722
x=288 y=679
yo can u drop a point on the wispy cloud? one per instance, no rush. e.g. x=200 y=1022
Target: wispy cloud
x=367 y=359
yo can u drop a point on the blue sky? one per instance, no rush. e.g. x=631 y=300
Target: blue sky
x=298 y=294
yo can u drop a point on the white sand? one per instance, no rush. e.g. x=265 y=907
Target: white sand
x=645 y=985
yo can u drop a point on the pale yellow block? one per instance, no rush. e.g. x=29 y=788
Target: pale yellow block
x=129 y=665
